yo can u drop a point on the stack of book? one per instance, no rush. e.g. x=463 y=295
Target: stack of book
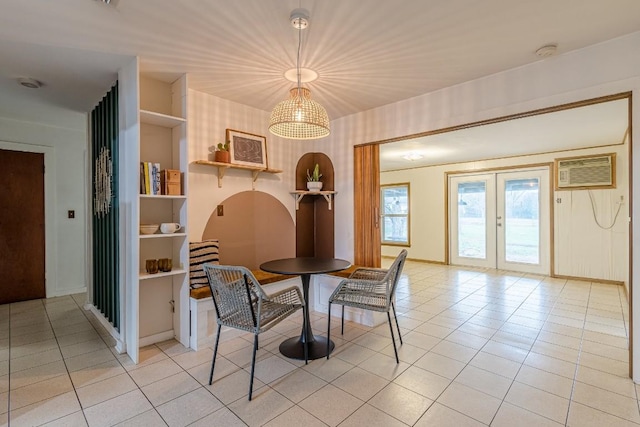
x=149 y=178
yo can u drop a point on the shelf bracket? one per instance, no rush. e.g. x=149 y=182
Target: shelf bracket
x=221 y=171
x=255 y=177
x=328 y=198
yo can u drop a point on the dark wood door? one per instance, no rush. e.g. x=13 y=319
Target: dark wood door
x=22 y=255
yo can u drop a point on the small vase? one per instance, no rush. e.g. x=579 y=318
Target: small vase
x=314 y=186
x=222 y=157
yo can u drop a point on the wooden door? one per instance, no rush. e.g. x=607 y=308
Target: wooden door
x=367 y=206
x=22 y=255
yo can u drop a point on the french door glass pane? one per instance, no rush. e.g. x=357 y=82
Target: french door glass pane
x=472 y=220
x=522 y=220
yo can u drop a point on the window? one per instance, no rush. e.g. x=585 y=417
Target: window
x=395 y=214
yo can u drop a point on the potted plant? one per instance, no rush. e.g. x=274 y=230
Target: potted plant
x=313 y=179
x=221 y=154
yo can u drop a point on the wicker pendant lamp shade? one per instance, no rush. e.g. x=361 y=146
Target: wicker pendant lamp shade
x=299 y=117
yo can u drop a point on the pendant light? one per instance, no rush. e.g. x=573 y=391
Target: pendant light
x=299 y=117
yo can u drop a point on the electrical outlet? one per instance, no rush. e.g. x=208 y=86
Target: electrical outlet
x=220 y=210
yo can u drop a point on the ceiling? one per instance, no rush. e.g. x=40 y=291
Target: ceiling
x=367 y=53
x=593 y=125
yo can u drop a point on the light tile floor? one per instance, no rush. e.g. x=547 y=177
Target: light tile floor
x=481 y=347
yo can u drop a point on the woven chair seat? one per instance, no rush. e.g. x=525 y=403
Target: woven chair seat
x=359 y=299
x=241 y=303
x=370 y=289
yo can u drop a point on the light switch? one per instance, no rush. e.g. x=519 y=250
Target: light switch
x=71 y=214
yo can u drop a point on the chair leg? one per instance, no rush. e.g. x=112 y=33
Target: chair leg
x=253 y=364
x=397 y=325
x=329 y=332
x=215 y=352
x=342 y=329
x=393 y=338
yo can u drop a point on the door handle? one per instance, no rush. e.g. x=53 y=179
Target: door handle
x=376 y=216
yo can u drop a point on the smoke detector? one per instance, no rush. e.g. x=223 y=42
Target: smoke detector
x=29 y=83
x=547 y=50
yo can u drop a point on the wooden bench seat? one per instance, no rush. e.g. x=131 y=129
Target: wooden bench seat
x=263 y=277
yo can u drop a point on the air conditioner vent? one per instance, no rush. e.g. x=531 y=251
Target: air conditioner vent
x=586 y=172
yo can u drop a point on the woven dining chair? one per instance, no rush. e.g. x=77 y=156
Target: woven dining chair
x=369 y=289
x=241 y=303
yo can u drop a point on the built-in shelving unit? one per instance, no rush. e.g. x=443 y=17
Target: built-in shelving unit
x=223 y=167
x=159 y=303
x=299 y=195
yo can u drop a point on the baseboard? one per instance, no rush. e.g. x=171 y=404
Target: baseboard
x=152 y=339
x=425 y=261
x=120 y=346
x=65 y=292
x=587 y=279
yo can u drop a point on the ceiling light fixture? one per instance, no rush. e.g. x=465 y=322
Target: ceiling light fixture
x=29 y=82
x=299 y=117
x=412 y=156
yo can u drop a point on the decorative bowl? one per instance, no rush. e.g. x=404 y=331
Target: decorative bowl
x=149 y=228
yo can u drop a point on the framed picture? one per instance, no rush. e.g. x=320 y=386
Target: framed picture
x=247 y=149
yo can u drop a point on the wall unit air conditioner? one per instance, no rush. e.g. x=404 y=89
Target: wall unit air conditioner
x=578 y=173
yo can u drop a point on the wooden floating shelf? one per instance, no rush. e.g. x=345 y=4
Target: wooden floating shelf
x=222 y=168
x=299 y=195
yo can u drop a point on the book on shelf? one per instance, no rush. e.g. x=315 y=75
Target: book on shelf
x=149 y=178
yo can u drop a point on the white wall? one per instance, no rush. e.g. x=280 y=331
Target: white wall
x=65 y=163
x=599 y=70
x=208 y=118
x=582 y=249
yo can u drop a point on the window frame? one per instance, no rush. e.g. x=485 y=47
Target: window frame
x=383 y=215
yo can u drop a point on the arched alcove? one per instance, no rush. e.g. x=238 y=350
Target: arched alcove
x=255 y=228
x=314 y=220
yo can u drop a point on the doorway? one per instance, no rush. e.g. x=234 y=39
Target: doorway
x=501 y=220
x=22 y=231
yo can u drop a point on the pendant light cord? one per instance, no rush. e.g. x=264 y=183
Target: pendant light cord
x=298 y=59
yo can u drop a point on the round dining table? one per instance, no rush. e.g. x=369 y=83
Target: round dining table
x=305 y=267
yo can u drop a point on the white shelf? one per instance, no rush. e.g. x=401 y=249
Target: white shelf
x=159 y=119
x=161 y=196
x=162 y=235
x=146 y=276
x=299 y=195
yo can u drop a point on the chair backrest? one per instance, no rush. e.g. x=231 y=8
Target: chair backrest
x=395 y=271
x=200 y=253
x=236 y=295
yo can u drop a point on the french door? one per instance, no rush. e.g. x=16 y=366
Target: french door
x=500 y=220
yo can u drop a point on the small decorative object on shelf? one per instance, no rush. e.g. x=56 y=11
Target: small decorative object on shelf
x=169 y=227
x=313 y=179
x=222 y=153
x=149 y=228
x=170 y=182
x=165 y=264
x=152 y=266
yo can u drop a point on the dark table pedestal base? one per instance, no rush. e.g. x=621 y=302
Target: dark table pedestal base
x=294 y=348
